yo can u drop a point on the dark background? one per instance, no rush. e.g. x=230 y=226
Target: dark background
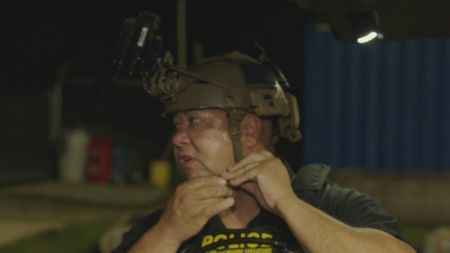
x=38 y=39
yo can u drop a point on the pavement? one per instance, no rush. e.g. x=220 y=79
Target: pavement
x=27 y=210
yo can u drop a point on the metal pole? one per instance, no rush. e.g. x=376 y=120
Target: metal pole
x=55 y=102
x=181 y=33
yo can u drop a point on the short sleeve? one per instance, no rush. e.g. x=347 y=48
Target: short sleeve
x=356 y=209
x=347 y=205
x=137 y=230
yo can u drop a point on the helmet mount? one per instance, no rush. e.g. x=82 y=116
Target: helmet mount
x=234 y=82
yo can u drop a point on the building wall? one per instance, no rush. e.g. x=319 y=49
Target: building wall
x=383 y=106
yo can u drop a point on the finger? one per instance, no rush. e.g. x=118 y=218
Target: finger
x=217 y=207
x=200 y=182
x=217 y=191
x=253 y=157
x=188 y=189
x=238 y=172
x=197 y=207
x=247 y=176
x=208 y=202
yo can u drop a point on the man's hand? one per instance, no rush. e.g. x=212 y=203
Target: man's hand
x=193 y=203
x=264 y=176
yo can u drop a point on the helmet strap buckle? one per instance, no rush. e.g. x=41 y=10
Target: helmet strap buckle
x=235 y=118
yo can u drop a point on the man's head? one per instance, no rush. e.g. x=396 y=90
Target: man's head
x=203 y=146
x=235 y=88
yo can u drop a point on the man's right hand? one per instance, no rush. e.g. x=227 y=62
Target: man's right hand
x=193 y=203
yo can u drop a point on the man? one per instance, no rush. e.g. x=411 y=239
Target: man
x=238 y=196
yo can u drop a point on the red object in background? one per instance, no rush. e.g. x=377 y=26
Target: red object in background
x=98 y=164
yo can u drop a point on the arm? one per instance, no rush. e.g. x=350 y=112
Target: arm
x=315 y=230
x=193 y=203
x=319 y=232
x=157 y=239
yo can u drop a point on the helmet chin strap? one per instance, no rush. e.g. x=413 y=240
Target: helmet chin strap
x=235 y=118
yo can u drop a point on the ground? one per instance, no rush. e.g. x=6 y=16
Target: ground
x=47 y=216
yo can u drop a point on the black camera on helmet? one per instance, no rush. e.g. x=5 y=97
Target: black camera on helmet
x=139 y=47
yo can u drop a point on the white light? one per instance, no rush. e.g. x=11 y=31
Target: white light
x=142 y=36
x=368 y=37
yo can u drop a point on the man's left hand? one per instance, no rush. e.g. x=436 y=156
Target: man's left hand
x=264 y=176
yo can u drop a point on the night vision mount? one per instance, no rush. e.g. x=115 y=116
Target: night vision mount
x=140 y=54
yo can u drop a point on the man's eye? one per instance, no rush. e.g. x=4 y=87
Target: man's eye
x=193 y=120
x=176 y=125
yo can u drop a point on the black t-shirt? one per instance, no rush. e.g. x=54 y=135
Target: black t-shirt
x=267 y=233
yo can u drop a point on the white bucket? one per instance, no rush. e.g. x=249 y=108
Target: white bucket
x=73 y=158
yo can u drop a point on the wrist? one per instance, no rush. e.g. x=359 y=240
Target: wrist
x=284 y=203
x=157 y=239
x=167 y=234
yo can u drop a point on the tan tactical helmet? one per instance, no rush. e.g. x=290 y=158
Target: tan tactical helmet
x=234 y=82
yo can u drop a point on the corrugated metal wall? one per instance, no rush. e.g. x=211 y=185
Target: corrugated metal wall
x=383 y=106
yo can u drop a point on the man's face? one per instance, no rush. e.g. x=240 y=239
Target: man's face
x=202 y=145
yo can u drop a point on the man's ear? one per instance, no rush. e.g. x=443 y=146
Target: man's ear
x=251 y=130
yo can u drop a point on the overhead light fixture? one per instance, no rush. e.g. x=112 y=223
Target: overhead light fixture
x=365 y=26
x=369 y=37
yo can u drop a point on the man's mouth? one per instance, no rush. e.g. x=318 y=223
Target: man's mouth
x=183 y=160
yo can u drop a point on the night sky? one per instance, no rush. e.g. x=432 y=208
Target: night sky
x=37 y=38
x=40 y=37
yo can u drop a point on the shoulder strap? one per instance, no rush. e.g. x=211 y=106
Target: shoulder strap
x=310 y=180
x=311 y=177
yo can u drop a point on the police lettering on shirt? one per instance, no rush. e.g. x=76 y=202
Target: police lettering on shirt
x=236 y=242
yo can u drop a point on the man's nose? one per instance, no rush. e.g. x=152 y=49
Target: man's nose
x=180 y=137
